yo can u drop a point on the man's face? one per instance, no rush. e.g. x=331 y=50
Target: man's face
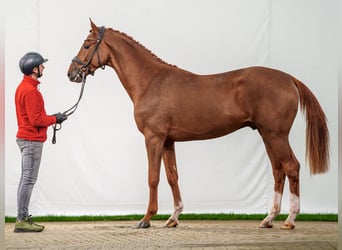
x=39 y=72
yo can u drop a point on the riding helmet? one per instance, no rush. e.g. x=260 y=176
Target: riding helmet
x=29 y=61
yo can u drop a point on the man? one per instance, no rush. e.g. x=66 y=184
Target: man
x=32 y=127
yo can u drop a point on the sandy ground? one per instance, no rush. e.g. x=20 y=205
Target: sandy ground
x=188 y=235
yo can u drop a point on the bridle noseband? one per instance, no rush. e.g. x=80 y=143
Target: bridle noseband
x=85 y=68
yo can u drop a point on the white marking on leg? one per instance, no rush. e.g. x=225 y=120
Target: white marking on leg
x=275 y=210
x=174 y=168
x=294 y=208
x=178 y=210
x=173 y=220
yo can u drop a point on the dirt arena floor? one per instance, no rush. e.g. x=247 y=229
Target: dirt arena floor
x=188 y=235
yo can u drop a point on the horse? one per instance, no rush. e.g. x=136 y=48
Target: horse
x=173 y=105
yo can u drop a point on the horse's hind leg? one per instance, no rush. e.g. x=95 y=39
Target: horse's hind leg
x=291 y=167
x=284 y=163
x=279 y=180
x=169 y=159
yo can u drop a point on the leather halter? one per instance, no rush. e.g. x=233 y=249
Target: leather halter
x=85 y=67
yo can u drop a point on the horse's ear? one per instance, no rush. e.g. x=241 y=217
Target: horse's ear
x=94 y=28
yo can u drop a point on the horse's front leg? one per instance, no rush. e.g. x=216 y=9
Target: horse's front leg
x=169 y=158
x=154 y=147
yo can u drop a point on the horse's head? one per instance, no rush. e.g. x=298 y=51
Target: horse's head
x=90 y=57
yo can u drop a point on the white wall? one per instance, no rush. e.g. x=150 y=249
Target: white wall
x=99 y=164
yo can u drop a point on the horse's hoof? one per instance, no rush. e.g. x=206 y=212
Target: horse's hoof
x=143 y=224
x=287 y=226
x=171 y=223
x=266 y=224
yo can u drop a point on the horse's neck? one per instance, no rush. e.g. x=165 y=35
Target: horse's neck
x=134 y=66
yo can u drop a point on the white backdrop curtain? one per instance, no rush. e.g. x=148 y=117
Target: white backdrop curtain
x=99 y=164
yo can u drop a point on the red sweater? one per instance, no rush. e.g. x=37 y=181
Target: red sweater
x=31 y=116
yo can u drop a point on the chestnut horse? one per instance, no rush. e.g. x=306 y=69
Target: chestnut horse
x=172 y=104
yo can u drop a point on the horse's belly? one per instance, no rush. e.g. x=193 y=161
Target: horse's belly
x=200 y=131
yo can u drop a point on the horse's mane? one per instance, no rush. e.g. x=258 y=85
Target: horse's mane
x=138 y=44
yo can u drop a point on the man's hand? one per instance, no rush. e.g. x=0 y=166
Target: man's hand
x=60 y=117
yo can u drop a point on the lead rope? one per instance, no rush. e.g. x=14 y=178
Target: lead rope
x=70 y=111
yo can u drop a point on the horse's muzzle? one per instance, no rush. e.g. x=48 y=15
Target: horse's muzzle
x=75 y=75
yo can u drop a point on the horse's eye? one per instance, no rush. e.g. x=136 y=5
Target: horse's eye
x=86 y=46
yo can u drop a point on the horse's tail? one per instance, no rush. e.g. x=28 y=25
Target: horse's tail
x=317 y=134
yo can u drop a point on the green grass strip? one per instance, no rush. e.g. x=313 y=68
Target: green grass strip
x=137 y=217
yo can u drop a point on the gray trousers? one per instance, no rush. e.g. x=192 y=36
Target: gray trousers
x=31 y=153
